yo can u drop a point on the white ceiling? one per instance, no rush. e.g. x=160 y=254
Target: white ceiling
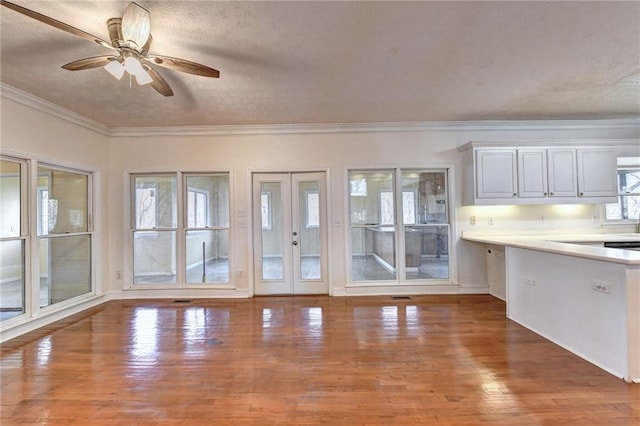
x=342 y=62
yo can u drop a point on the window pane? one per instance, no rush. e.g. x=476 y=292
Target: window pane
x=627 y=207
x=427 y=252
x=65 y=268
x=386 y=208
x=373 y=253
x=63 y=201
x=272 y=249
x=208 y=201
x=154 y=257
x=366 y=207
x=11 y=279
x=10 y=198
x=409 y=207
x=431 y=190
x=154 y=204
x=313 y=209
x=309 y=235
x=207 y=256
x=265 y=209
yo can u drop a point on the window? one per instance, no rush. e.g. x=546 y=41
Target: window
x=425 y=222
x=154 y=223
x=313 y=209
x=197 y=209
x=409 y=207
x=628 y=206
x=386 y=208
x=372 y=225
x=146 y=208
x=358 y=187
x=207 y=228
x=410 y=246
x=12 y=237
x=64 y=234
x=265 y=209
x=201 y=224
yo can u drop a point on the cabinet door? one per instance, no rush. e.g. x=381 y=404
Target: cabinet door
x=532 y=173
x=561 y=166
x=496 y=173
x=597 y=172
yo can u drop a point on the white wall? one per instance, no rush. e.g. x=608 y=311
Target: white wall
x=28 y=133
x=334 y=149
x=336 y=152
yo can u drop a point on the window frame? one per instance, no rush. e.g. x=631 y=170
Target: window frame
x=90 y=231
x=624 y=164
x=24 y=236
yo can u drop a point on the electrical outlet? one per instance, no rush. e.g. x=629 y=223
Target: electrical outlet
x=600 y=286
x=472 y=220
x=530 y=281
x=490 y=221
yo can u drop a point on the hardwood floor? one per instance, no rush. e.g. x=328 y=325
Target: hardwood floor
x=441 y=360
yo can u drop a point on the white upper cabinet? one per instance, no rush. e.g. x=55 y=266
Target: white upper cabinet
x=597 y=172
x=496 y=173
x=532 y=173
x=562 y=172
x=538 y=174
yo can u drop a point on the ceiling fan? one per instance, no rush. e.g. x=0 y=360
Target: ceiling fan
x=130 y=40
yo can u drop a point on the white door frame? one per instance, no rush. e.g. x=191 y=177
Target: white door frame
x=291 y=282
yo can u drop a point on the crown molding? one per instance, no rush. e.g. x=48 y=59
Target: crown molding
x=39 y=104
x=47 y=107
x=428 y=126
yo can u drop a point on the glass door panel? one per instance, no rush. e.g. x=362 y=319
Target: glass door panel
x=309 y=233
x=290 y=233
x=272 y=238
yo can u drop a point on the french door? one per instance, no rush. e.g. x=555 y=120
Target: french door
x=290 y=233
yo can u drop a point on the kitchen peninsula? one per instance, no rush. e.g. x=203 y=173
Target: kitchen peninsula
x=584 y=298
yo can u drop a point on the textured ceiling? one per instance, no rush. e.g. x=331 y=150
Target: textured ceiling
x=342 y=62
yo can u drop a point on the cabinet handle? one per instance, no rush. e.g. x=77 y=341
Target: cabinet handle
x=545 y=194
x=514 y=194
x=581 y=194
x=553 y=193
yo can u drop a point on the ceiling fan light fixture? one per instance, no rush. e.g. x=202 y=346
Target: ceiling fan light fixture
x=115 y=68
x=134 y=67
x=143 y=78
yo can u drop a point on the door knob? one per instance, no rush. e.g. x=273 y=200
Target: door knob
x=295 y=243
x=295 y=233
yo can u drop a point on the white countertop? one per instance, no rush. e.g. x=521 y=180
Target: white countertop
x=566 y=245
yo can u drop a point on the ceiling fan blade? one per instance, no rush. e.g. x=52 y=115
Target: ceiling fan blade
x=88 y=63
x=57 y=24
x=183 y=65
x=158 y=83
x=136 y=25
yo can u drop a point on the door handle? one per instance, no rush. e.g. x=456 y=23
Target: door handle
x=295 y=233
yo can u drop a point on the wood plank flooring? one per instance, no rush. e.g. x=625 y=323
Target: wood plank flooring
x=432 y=360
